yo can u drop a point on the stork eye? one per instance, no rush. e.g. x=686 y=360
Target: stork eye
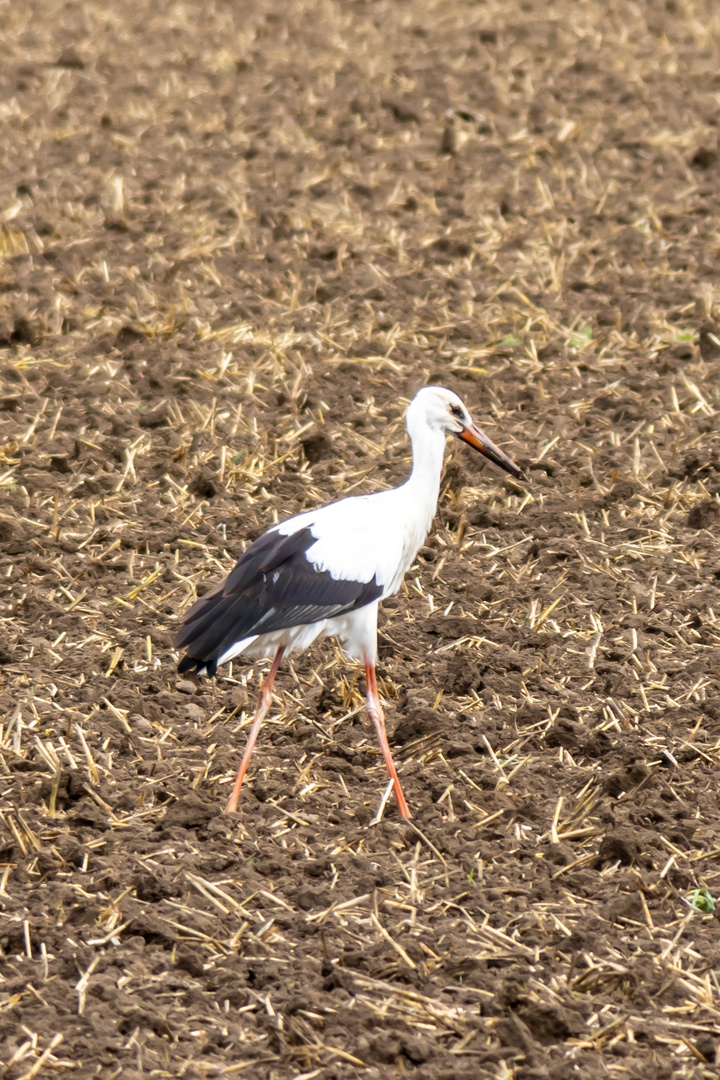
x=457 y=412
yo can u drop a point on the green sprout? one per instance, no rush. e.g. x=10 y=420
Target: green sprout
x=581 y=338
x=701 y=900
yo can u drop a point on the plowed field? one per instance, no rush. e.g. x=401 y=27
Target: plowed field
x=236 y=239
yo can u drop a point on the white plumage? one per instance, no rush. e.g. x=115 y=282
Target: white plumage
x=324 y=572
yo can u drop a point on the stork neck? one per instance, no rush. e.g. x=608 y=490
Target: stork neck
x=423 y=484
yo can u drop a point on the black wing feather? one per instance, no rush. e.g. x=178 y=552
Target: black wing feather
x=273 y=586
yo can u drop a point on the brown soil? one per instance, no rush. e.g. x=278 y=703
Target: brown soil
x=237 y=238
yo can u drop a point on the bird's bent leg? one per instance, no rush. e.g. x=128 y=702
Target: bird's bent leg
x=378 y=718
x=264 y=700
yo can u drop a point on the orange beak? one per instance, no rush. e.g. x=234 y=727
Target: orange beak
x=476 y=438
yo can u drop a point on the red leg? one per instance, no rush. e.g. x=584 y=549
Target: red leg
x=264 y=700
x=378 y=718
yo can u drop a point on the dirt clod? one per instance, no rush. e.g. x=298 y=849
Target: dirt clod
x=704 y=515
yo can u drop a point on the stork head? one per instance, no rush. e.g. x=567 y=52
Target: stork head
x=438 y=409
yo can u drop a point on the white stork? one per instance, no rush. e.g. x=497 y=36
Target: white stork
x=324 y=572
